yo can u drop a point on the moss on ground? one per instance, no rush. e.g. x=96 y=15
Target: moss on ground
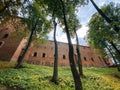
x=34 y=77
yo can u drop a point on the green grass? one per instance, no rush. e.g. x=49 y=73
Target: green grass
x=34 y=77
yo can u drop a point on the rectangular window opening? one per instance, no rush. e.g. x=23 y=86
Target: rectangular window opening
x=35 y=54
x=92 y=59
x=43 y=55
x=64 y=57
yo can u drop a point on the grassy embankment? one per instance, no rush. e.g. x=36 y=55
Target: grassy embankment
x=34 y=77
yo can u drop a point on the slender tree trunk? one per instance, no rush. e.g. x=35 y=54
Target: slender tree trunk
x=55 y=71
x=118 y=67
x=21 y=56
x=116 y=29
x=78 y=84
x=113 y=45
x=79 y=61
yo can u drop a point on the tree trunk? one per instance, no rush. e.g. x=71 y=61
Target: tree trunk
x=77 y=81
x=55 y=71
x=113 y=45
x=21 y=56
x=118 y=67
x=116 y=29
x=79 y=61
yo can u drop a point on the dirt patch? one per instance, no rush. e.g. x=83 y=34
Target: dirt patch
x=6 y=88
x=117 y=76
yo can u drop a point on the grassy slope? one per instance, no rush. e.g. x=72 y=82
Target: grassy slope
x=35 y=77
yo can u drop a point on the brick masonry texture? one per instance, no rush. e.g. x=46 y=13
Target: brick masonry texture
x=43 y=54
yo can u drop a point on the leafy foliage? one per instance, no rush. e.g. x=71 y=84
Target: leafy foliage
x=36 y=13
x=34 y=77
x=101 y=33
x=36 y=19
x=9 y=9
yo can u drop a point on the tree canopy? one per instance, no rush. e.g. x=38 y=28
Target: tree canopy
x=9 y=9
x=101 y=34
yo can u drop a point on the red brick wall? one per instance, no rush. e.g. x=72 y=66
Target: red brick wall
x=8 y=48
x=19 y=48
x=48 y=49
x=9 y=45
x=11 y=49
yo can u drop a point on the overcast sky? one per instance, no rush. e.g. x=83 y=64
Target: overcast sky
x=84 y=14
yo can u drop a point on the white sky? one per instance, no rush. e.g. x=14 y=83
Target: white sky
x=84 y=14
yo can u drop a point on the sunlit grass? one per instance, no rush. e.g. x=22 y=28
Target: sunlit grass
x=34 y=77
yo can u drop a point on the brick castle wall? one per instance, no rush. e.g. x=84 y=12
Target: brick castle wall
x=9 y=45
x=44 y=54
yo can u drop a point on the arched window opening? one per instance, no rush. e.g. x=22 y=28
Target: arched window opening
x=85 y=59
x=43 y=55
x=35 y=54
x=64 y=57
x=1 y=43
x=92 y=59
x=5 y=36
